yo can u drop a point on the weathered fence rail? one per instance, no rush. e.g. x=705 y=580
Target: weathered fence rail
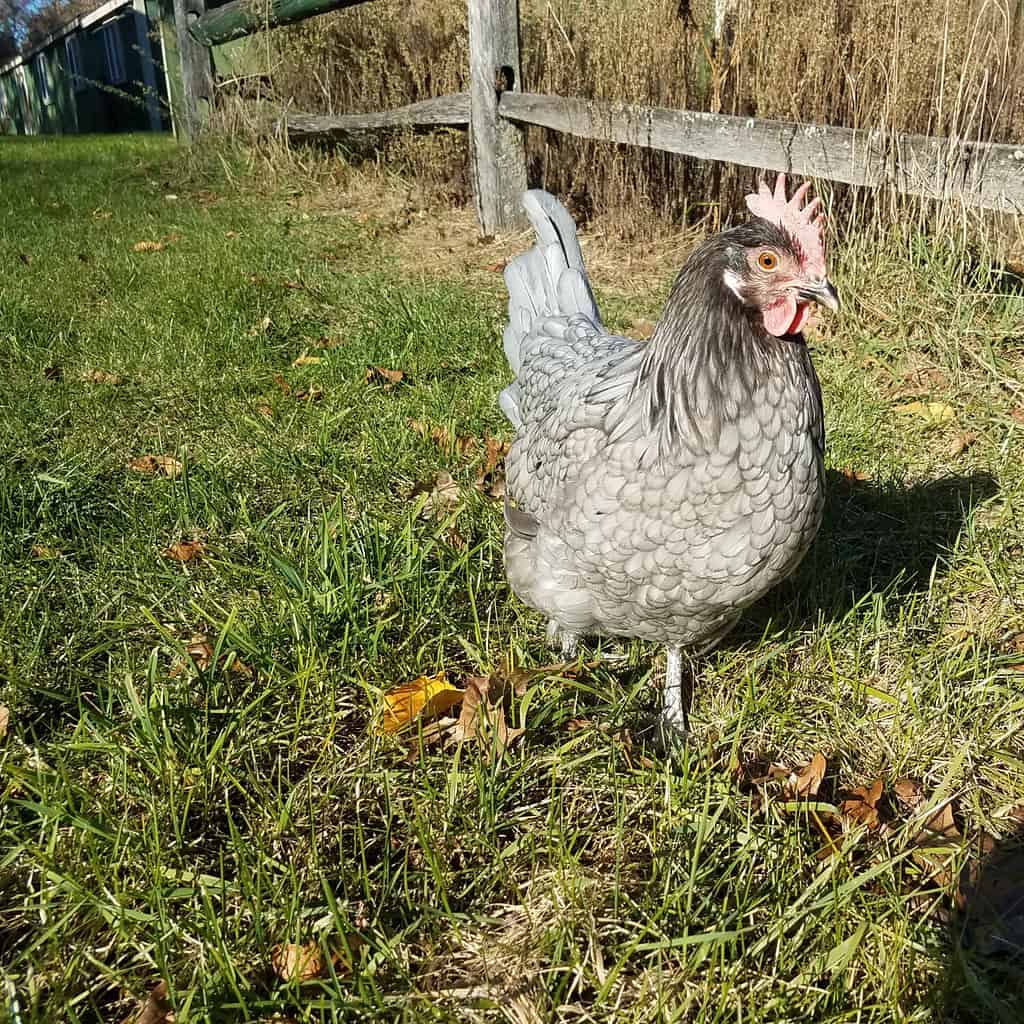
x=496 y=111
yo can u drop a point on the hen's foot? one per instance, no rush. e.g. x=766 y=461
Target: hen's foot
x=566 y=639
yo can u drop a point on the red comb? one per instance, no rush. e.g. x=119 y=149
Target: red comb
x=805 y=224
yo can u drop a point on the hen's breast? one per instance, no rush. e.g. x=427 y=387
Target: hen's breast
x=671 y=549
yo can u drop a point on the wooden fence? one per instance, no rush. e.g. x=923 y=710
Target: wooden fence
x=496 y=112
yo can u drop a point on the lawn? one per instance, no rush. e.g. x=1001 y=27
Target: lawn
x=216 y=556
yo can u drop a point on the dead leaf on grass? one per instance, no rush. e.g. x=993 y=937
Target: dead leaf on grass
x=909 y=792
x=930 y=412
x=200 y=650
x=483 y=713
x=307 y=360
x=861 y=806
x=496 y=268
x=155 y=1010
x=184 y=551
x=260 y=327
x=462 y=444
x=442 y=495
x=383 y=376
x=157 y=465
x=1017 y=413
x=938 y=845
x=266 y=411
x=313 y=393
x=807 y=781
x=102 y=377
x=148 y=246
x=5 y=720
x=292 y=962
x=960 y=444
x=426 y=695
x=855 y=475
x=326 y=343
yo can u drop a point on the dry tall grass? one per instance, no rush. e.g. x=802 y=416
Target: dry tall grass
x=937 y=67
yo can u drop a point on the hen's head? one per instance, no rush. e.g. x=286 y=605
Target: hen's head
x=776 y=262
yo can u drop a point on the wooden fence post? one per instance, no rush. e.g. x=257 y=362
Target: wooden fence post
x=195 y=88
x=497 y=147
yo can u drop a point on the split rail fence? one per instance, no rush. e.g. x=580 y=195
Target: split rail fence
x=496 y=111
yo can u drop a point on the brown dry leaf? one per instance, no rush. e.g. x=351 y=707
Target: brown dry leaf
x=152 y=465
x=642 y=329
x=44 y=551
x=307 y=360
x=427 y=695
x=282 y=385
x=53 y=373
x=147 y=247
x=266 y=411
x=807 y=781
x=102 y=377
x=382 y=375
x=909 y=792
x=496 y=450
x=313 y=393
x=483 y=713
x=155 y=1010
x=930 y=412
x=200 y=650
x=442 y=495
x=496 y=268
x=326 y=343
x=937 y=846
x=292 y=962
x=455 y=540
x=861 y=806
x=960 y=444
x=854 y=474
x=1017 y=413
x=184 y=551
x=260 y=327
x=5 y=720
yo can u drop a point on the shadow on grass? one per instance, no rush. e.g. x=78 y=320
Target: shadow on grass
x=875 y=538
x=985 y=978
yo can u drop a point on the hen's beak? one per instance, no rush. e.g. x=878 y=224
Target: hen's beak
x=821 y=292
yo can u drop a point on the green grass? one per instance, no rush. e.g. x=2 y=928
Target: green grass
x=159 y=821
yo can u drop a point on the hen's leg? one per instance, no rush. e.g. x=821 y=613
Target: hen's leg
x=568 y=640
x=676 y=701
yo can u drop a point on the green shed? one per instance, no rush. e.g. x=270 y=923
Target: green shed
x=101 y=72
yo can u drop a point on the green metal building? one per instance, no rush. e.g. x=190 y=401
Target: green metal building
x=101 y=72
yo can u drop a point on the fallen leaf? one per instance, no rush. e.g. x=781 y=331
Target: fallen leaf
x=455 y=540
x=382 y=375
x=260 y=327
x=483 y=713
x=938 y=845
x=53 y=372
x=200 y=651
x=807 y=781
x=266 y=411
x=463 y=444
x=307 y=360
x=292 y=962
x=930 y=412
x=184 y=551
x=152 y=465
x=442 y=495
x=155 y=1010
x=313 y=393
x=102 y=377
x=328 y=342
x=231 y=234
x=147 y=246
x=496 y=268
x=1017 y=413
x=282 y=385
x=909 y=792
x=44 y=551
x=861 y=806
x=960 y=444
x=426 y=695
x=854 y=474
x=496 y=450
x=5 y=720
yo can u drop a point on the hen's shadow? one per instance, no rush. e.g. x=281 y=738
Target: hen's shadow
x=985 y=977
x=874 y=538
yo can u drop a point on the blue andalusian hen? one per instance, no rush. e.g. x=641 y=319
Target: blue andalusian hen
x=656 y=489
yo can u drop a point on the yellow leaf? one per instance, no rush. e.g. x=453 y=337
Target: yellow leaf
x=930 y=412
x=431 y=695
x=307 y=360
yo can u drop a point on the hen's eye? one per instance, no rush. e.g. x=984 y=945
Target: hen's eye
x=767 y=261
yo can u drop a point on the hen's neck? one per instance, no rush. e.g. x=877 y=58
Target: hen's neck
x=707 y=356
